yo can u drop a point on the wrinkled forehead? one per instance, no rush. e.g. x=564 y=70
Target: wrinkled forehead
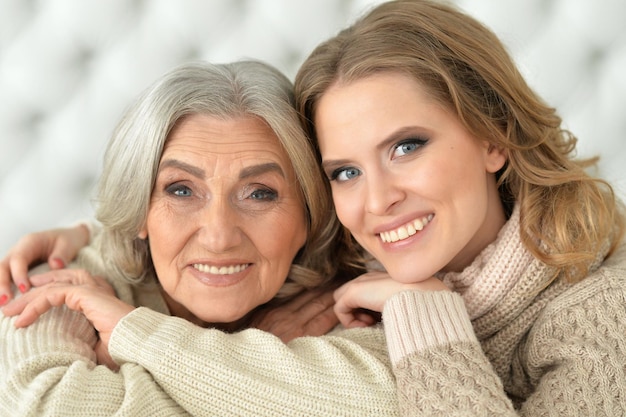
x=226 y=146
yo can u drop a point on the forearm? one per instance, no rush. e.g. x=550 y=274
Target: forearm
x=254 y=373
x=50 y=368
x=439 y=364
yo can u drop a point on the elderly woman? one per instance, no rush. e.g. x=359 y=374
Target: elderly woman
x=211 y=204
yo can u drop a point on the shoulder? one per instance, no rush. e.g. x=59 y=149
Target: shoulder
x=597 y=300
x=609 y=278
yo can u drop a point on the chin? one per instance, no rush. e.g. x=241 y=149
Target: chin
x=224 y=320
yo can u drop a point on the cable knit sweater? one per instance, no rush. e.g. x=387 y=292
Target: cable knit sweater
x=506 y=342
x=170 y=367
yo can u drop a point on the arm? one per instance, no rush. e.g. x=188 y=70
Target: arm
x=434 y=351
x=309 y=314
x=571 y=362
x=437 y=360
x=346 y=373
x=248 y=373
x=49 y=369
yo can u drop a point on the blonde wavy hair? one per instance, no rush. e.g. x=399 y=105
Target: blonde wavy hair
x=567 y=216
x=239 y=89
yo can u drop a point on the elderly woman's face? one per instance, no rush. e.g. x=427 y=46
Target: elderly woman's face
x=225 y=219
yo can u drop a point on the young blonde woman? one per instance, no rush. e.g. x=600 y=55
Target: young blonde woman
x=505 y=283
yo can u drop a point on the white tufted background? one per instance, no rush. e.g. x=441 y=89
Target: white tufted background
x=68 y=68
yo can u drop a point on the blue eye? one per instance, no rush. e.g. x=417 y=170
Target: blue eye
x=179 y=190
x=264 y=194
x=408 y=146
x=345 y=174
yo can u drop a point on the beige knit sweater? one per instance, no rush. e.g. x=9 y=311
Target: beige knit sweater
x=170 y=367
x=504 y=344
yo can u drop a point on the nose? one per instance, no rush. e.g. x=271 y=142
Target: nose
x=383 y=192
x=219 y=226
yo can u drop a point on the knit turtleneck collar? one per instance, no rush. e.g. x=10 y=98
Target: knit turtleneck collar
x=502 y=281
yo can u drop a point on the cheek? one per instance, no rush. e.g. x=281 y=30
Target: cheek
x=449 y=177
x=278 y=237
x=346 y=207
x=166 y=233
x=295 y=240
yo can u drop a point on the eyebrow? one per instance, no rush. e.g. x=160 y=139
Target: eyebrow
x=247 y=172
x=175 y=163
x=255 y=170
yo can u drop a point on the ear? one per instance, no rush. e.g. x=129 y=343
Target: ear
x=143 y=233
x=495 y=158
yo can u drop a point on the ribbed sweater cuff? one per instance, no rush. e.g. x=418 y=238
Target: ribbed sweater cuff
x=133 y=336
x=417 y=320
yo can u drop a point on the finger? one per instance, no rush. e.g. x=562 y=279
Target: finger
x=19 y=304
x=15 y=307
x=61 y=253
x=65 y=276
x=300 y=301
x=38 y=306
x=320 y=302
x=56 y=262
x=367 y=317
x=5 y=282
x=39 y=280
x=322 y=323
x=18 y=266
x=29 y=250
x=344 y=312
x=60 y=276
x=351 y=317
x=349 y=320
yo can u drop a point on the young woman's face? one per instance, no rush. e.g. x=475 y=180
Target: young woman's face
x=416 y=190
x=225 y=219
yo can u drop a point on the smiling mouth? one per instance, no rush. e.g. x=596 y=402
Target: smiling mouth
x=406 y=231
x=222 y=270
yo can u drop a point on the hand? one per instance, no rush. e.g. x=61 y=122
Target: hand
x=79 y=291
x=309 y=314
x=370 y=291
x=58 y=247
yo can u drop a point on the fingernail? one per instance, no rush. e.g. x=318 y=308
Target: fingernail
x=3 y=299
x=58 y=262
x=22 y=288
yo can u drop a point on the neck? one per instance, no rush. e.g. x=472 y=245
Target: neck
x=495 y=218
x=179 y=310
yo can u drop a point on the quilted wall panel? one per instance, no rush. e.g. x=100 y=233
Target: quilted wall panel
x=68 y=68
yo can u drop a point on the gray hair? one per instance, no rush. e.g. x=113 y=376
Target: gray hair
x=239 y=89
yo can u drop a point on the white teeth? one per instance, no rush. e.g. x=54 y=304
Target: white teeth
x=222 y=270
x=406 y=231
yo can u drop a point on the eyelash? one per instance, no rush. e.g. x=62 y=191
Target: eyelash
x=267 y=193
x=333 y=175
x=172 y=189
x=417 y=141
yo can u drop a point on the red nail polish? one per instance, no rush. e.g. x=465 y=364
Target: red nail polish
x=3 y=299
x=58 y=263
x=22 y=288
